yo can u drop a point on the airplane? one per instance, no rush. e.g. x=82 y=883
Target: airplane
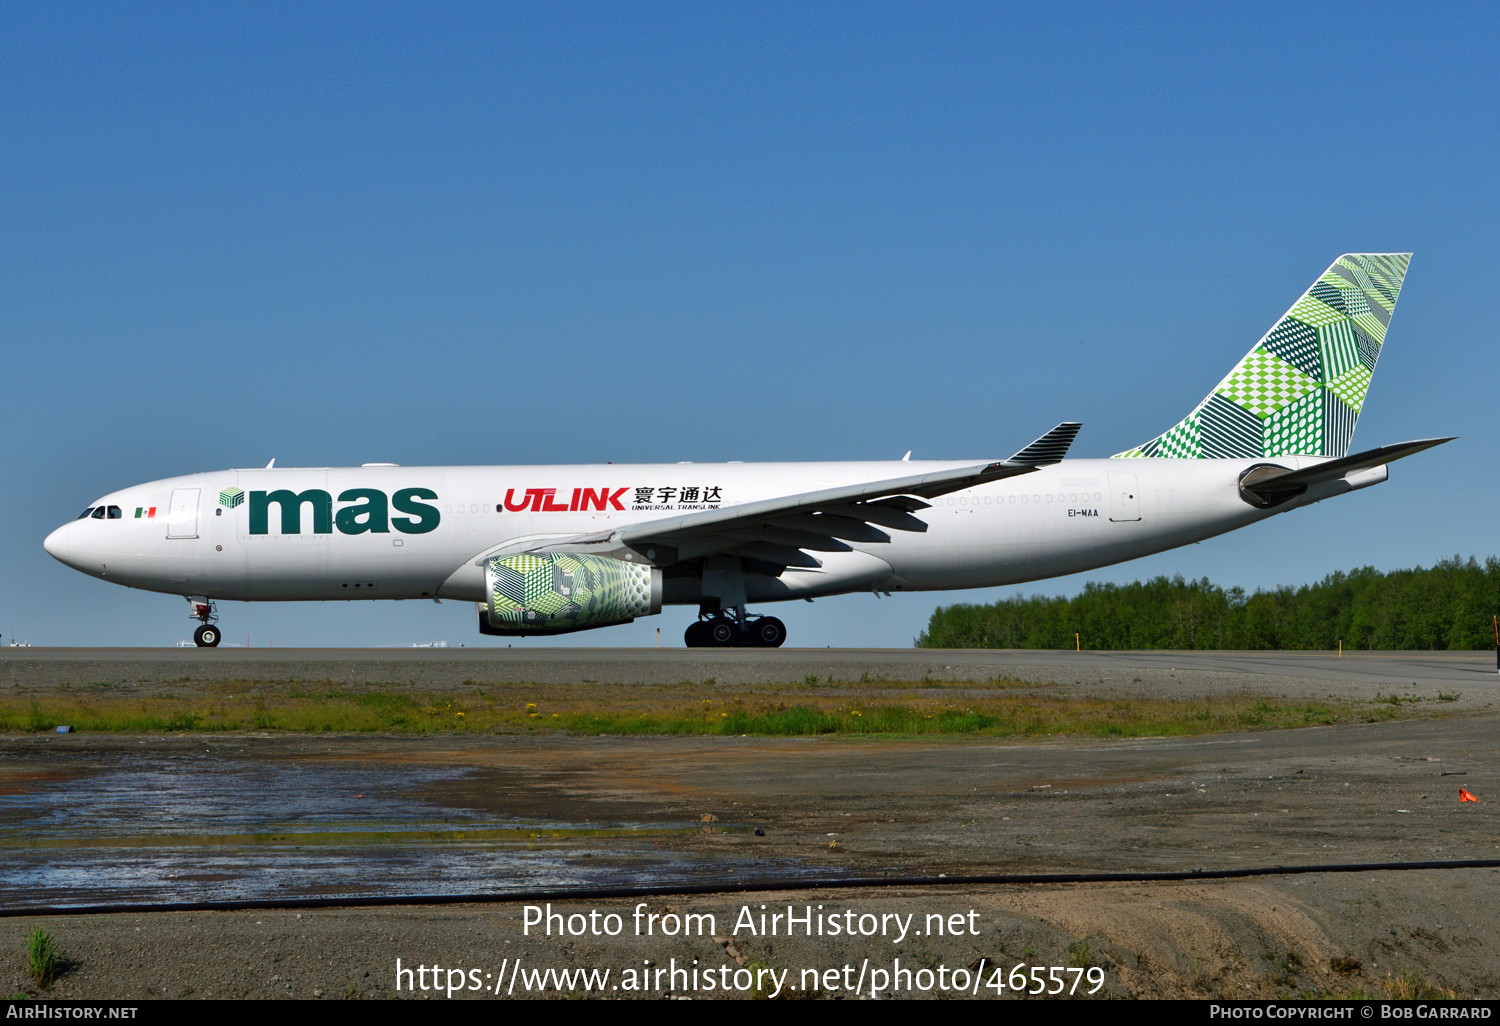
x=546 y=550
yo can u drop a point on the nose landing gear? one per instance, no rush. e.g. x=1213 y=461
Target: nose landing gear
x=207 y=635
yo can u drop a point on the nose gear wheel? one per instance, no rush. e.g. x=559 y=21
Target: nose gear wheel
x=207 y=635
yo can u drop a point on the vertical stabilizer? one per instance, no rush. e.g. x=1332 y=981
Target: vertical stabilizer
x=1299 y=391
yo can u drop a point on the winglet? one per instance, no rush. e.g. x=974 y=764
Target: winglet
x=1050 y=448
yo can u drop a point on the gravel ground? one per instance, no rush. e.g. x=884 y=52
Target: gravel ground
x=1358 y=793
x=1279 y=938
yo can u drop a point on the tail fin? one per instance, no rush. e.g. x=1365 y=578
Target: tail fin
x=1298 y=392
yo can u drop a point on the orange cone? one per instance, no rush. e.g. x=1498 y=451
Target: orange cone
x=1465 y=796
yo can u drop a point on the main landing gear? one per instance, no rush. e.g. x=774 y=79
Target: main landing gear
x=207 y=635
x=734 y=629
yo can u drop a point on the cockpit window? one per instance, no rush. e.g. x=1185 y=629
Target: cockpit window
x=104 y=513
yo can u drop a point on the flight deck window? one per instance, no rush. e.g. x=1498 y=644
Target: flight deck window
x=114 y=513
x=98 y=512
x=85 y=514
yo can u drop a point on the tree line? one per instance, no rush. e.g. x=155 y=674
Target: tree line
x=1449 y=605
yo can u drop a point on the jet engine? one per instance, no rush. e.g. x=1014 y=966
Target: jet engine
x=557 y=592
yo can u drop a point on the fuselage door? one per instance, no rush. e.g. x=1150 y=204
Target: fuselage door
x=1125 y=500
x=182 y=514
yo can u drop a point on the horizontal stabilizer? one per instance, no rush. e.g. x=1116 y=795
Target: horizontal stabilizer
x=1273 y=485
x=1335 y=469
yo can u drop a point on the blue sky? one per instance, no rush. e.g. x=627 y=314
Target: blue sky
x=488 y=234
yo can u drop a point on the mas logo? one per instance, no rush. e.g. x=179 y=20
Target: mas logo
x=368 y=512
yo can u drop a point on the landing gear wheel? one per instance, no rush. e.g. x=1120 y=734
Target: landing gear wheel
x=721 y=632
x=720 y=629
x=207 y=636
x=767 y=632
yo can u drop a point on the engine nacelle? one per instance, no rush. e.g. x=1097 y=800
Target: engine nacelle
x=557 y=592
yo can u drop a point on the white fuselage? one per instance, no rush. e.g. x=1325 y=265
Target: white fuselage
x=389 y=532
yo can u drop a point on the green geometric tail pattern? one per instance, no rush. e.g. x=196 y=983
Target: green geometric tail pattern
x=1298 y=392
x=554 y=591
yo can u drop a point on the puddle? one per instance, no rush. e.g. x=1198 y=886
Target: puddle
x=183 y=829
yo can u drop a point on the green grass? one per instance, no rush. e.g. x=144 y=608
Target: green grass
x=43 y=960
x=1080 y=953
x=810 y=708
x=1411 y=985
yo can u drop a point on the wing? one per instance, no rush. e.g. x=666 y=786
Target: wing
x=773 y=534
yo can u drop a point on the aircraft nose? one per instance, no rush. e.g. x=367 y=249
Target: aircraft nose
x=57 y=545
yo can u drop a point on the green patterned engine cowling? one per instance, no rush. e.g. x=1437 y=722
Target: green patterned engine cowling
x=557 y=592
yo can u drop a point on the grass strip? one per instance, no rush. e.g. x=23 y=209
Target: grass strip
x=887 y=709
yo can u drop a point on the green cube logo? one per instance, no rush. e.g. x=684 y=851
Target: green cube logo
x=231 y=497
